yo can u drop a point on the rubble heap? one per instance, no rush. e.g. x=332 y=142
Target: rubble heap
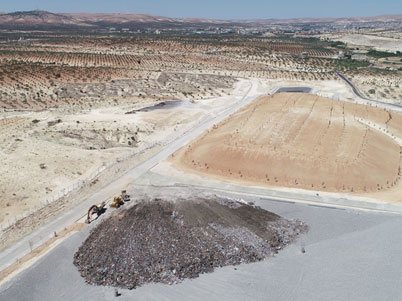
x=161 y=241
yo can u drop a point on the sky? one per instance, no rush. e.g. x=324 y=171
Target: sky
x=215 y=9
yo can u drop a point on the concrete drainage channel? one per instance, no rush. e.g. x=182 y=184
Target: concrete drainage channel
x=294 y=90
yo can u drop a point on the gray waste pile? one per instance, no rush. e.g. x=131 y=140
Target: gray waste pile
x=163 y=241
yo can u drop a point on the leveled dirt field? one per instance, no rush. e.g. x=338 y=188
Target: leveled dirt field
x=378 y=42
x=304 y=141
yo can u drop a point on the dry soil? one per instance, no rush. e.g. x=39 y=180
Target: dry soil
x=300 y=140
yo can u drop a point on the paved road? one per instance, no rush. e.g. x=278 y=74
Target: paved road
x=350 y=255
x=166 y=178
x=357 y=93
x=22 y=247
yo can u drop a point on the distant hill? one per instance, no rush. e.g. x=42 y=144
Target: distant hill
x=138 y=18
x=382 y=18
x=39 y=18
x=125 y=18
x=118 y=18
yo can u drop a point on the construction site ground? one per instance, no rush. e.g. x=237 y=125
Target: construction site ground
x=349 y=254
x=67 y=153
x=67 y=145
x=342 y=238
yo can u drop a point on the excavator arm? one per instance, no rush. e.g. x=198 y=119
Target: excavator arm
x=93 y=209
x=98 y=209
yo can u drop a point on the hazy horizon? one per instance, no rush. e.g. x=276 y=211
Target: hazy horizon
x=224 y=10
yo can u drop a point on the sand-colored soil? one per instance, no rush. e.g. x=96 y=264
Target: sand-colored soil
x=40 y=160
x=378 y=42
x=45 y=152
x=300 y=140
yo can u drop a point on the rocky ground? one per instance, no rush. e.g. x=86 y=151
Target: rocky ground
x=163 y=241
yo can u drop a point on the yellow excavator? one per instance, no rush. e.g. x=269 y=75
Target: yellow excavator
x=97 y=209
x=100 y=208
x=119 y=200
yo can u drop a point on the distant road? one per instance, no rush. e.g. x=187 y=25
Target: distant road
x=357 y=93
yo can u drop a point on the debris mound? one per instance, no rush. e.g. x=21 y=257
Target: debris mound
x=163 y=241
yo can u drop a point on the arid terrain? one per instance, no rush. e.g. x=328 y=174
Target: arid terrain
x=302 y=141
x=64 y=100
x=65 y=148
x=390 y=41
x=232 y=137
